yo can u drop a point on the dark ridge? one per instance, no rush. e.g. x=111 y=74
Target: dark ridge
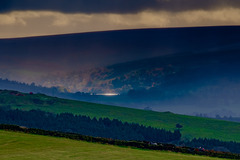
x=121 y=45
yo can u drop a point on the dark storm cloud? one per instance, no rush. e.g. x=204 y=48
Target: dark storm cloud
x=115 y=6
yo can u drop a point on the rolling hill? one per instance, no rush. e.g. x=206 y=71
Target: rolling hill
x=69 y=53
x=182 y=70
x=192 y=126
x=20 y=146
x=111 y=47
x=182 y=83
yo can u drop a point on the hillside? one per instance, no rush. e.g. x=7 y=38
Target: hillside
x=52 y=59
x=192 y=126
x=19 y=146
x=182 y=70
x=182 y=83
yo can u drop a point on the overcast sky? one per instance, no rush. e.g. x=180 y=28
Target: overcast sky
x=20 y=18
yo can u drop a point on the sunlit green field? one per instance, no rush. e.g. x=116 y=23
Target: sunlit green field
x=192 y=126
x=21 y=146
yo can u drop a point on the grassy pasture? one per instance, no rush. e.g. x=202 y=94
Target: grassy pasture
x=21 y=146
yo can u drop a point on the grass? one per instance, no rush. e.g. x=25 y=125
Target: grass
x=21 y=146
x=192 y=126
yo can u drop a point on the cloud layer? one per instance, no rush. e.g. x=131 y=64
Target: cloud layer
x=115 y=6
x=21 y=18
x=35 y=23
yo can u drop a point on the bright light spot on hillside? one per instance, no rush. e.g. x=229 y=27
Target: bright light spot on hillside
x=108 y=94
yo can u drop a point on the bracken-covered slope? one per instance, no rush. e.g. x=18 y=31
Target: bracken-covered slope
x=192 y=126
x=22 y=146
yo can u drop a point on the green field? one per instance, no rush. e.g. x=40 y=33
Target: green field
x=192 y=126
x=21 y=146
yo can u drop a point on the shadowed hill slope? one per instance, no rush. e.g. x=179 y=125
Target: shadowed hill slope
x=110 y=47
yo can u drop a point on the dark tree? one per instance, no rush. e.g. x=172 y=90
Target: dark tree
x=102 y=127
x=179 y=126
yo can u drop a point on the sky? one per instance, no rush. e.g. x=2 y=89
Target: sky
x=23 y=18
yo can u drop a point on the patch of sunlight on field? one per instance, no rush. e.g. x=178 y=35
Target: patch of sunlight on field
x=21 y=146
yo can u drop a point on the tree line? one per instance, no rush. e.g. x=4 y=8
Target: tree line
x=102 y=127
x=52 y=91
